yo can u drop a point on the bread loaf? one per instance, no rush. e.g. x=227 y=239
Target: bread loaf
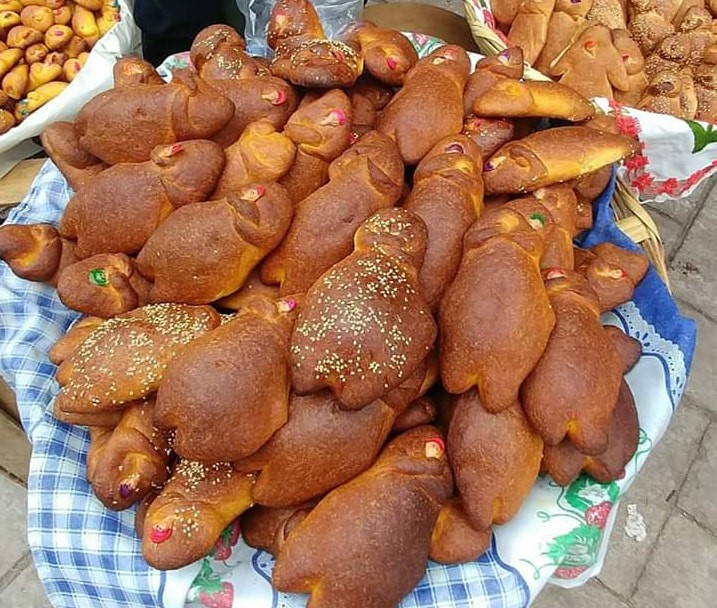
x=352 y=334
x=429 y=107
x=267 y=528
x=454 y=540
x=78 y=167
x=388 y=512
x=566 y=23
x=529 y=29
x=569 y=397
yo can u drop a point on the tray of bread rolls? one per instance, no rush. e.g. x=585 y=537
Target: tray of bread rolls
x=652 y=65
x=294 y=330
x=55 y=55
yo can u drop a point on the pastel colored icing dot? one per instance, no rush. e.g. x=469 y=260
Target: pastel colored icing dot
x=98 y=277
x=391 y=63
x=554 y=274
x=537 y=220
x=455 y=148
x=435 y=447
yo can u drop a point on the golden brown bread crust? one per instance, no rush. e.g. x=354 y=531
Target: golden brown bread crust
x=104 y=285
x=389 y=512
x=306 y=175
x=387 y=54
x=592 y=65
x=291 y=18
x=495 y=460
x=242 y=228
x=264 y=98
x=610 y=13
x=529 y=28
x=119 y=209
x=630 y=349
x=130 y=461
x=99 y=420
x=454 y=540
x=448 y=196
x=429 y=107
x=510 y=98
x=504 y=12
x=197 y=503
x=564 y=462
x=62 y=145
x=352 y=334
x=132 y=70
x=486 y=341
x=125 y=358
x=76 y=335
x=319 y=63
x=319 y=448
x=183 y=109
x=647 y=26
x=233 y=380
x=491 y=70
x=552 y=156
x=268 y=528
x=706 y=91
x=612 y=272
x=368 y=98
x=364 y=179
x=419 y=412
x=261 y=154
x=212 y=41
x=565 y=397
x=634 y=67
x=489 y=134
x=32 y=251
x=566 y=22
x=251 y=287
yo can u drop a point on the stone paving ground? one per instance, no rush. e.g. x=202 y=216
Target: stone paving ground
x=676 y=492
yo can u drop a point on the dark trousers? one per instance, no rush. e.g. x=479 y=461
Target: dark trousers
x=169 y=26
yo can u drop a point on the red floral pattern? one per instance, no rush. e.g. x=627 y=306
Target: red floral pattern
x=568 y=573
x=597 y=514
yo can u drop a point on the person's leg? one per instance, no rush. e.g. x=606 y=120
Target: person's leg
x=169 y=26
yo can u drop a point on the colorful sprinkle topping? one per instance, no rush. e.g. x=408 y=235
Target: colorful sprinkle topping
x=98 y=277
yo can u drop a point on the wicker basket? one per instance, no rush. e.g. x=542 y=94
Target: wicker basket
x=631 y=217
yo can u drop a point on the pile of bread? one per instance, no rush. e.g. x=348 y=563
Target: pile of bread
x=43 y=46
x=655 y=55
x=351 y=313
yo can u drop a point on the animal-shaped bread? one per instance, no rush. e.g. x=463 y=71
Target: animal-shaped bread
x=529 y=29
x=634 y=67
x=629 y=349
x=495 y=460
x=592 y=65
x=388 y=512
x=185 y=108
x=104 y=285
x=261 y=154
x=321 y=130
x=612 y=272
x=669 y=54
x=104 y=420
x=387 y=54
x=125 y=358
x=489 y=134
x=319 y=448
x=486 y=341
x=552 y=156
x=516 y=98
x=242 y=228
x=131 y=70
x=364 y=326
x=566 y=22
x=302 y=53
x=122 y=206
x=508 y=64
x=364 y=179
x=268 y=528
x=557 y=231
x=125 y=463
x=70 y=342
x=233 y=380
x=448 y=196
x=454 y=540
x=429 y=107
x=62 y=145
x=504 y=12
x=35 y=252
x=647 y=26
x=198 y=502
x=567 y=396
x=563 y=462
